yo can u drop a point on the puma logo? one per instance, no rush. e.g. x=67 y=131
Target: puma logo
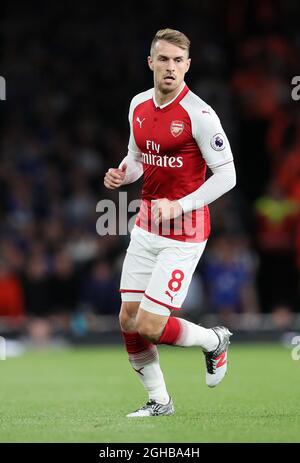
x=221 y=360
x=140 y=121
x=139 y=371
x=170 y=296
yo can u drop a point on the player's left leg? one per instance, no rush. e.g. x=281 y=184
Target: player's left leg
x=169 y=284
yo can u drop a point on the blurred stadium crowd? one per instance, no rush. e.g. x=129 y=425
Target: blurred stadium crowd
x=71 y=71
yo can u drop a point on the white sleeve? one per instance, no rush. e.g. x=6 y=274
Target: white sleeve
x=133 y=159
x=215 y=149
x=207 y=131
x=222 y=180
x=211 y=138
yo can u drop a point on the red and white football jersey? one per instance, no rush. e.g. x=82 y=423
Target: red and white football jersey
x=175 y=143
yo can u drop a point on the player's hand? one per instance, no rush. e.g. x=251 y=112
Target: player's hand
x=164 y=209
x=115 y=177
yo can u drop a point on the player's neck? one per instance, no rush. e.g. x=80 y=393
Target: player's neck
x=162 y=98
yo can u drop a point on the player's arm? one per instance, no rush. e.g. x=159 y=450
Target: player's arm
x=216 y=151
x=131 y=168
x=222 y=180
x=133 y=162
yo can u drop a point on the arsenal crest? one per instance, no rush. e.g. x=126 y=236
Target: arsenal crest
x=176 y=128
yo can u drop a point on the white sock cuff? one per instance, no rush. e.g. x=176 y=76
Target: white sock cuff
x=145 y=357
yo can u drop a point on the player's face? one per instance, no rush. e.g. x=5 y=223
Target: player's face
x=169 y=64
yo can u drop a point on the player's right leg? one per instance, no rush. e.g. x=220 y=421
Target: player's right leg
x=142 y=354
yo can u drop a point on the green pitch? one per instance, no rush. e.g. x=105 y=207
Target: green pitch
x=83 y=395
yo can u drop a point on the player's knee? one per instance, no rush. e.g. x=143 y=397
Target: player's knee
x=123 y=320
x=149 y=330
x=127 y=315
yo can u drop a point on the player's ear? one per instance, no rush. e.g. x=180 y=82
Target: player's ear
x=150 y=62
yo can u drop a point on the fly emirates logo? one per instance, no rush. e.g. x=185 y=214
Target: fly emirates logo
x=155 y=159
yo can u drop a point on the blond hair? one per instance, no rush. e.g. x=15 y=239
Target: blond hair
x=171 y=36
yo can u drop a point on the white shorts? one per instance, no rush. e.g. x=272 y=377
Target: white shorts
x=157 y=271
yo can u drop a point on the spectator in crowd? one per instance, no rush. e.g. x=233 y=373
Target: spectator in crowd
x=12 y=305
x=99 y=292
x=229 y=274
x=276 y=222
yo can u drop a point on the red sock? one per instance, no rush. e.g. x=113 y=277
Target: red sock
x=144 y=359
x=135 y=343
x=171 y=331
x=140 y=350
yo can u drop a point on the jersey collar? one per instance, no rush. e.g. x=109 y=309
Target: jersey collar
x=165 y=107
